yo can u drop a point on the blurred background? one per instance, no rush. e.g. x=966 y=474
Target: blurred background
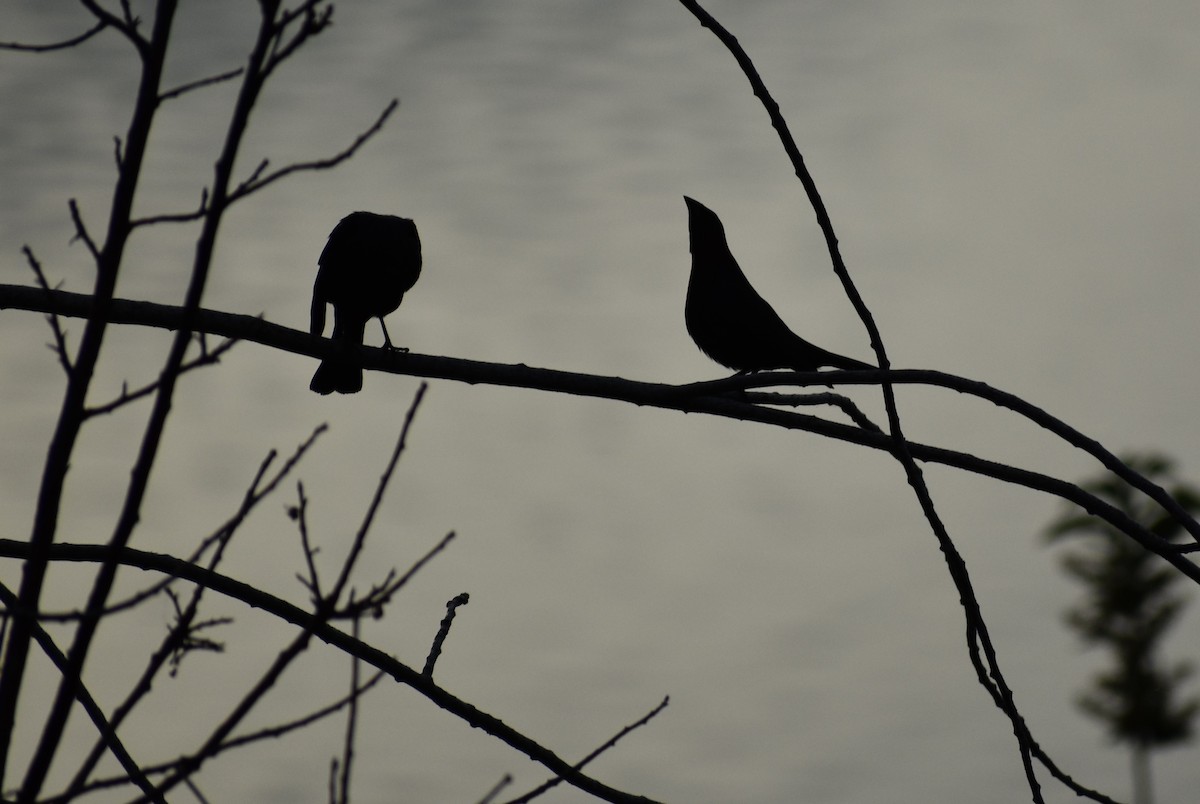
x=1016 y=192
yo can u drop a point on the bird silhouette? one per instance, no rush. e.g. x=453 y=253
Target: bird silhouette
x=727 y=318
x=367 y=266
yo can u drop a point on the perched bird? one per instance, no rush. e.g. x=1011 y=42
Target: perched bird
x=727 y=318
x=367 y=266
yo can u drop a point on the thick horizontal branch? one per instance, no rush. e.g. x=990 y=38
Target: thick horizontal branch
x=321 y=629
x=716 y=397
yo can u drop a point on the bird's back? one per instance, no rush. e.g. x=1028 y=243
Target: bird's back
x=369 y=263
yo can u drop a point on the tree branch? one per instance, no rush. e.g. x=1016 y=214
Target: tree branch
x=63 y=45
x=126 y=24
x=108 y=734
x=70 y=418
x=714 y=397
x=321 y=629
x=219 y=78
x=257 y=181
x=60 y=338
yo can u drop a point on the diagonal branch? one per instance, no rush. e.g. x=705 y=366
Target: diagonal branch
x=70 y=418
x=318 y=627
x=126 y=24
x=609 y=743
x=108 y=734
x=199 y=83
x=360 y=538
x=205 y=358
x=258 y=180
x=977 y=634
x=60 y=338
x=978 y=638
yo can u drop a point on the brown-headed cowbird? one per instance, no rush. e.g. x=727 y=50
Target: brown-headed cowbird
x=367 y=266
x=727 y=318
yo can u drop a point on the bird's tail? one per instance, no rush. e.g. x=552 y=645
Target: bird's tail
x=337 y=374
x=847 y=363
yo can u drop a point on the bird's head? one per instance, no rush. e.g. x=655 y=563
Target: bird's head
x=703 y=225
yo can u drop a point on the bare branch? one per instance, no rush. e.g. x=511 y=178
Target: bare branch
x=254 y=495
x=360 y=537
x=299 y=513
x=108 y=734
x=185 y=616
x=801 y=400
x=269 y=733
x=255 y=183
x=183 y=89
x=612 y=741
x=60 y=338
x=63 y=45
x=66 y=434
x=319 y=628
x=347 y=763
x=708 y=397
x=185 y=633
x=81 y=232
x=497 y=789
x=435 y=650
x=978 y=638
x=127 y=23
x=382 y=593
x=207 y=358
x=176 y=217
x=312 y=23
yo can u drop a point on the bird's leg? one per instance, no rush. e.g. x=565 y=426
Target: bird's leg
x=387 y=342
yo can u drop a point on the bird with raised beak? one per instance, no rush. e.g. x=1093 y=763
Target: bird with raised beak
x=727 y=318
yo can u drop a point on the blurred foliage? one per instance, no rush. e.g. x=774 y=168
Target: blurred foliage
x=1131 y=602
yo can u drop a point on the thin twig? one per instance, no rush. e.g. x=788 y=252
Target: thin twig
x=255 y=183
x=269 y=733
x=360 y=537
x=806 y=400
x=63 y=45
x=612 y=741
x=176 y=217
x=126 y=396
x=81 y=232
x=497 y=789
x=199 y=83
x=311 y=25
x=194 y=789
x=108 y=734
x=299 y=513
x=318 y=627
x=127 y=24
x=220 y=536
x=435 y=650
x=179 y=638
x=351 y=722
x=978 y=638
x=60 y=338
x=381 y=594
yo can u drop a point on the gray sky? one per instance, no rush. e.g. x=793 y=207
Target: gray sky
x=1015 y=188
